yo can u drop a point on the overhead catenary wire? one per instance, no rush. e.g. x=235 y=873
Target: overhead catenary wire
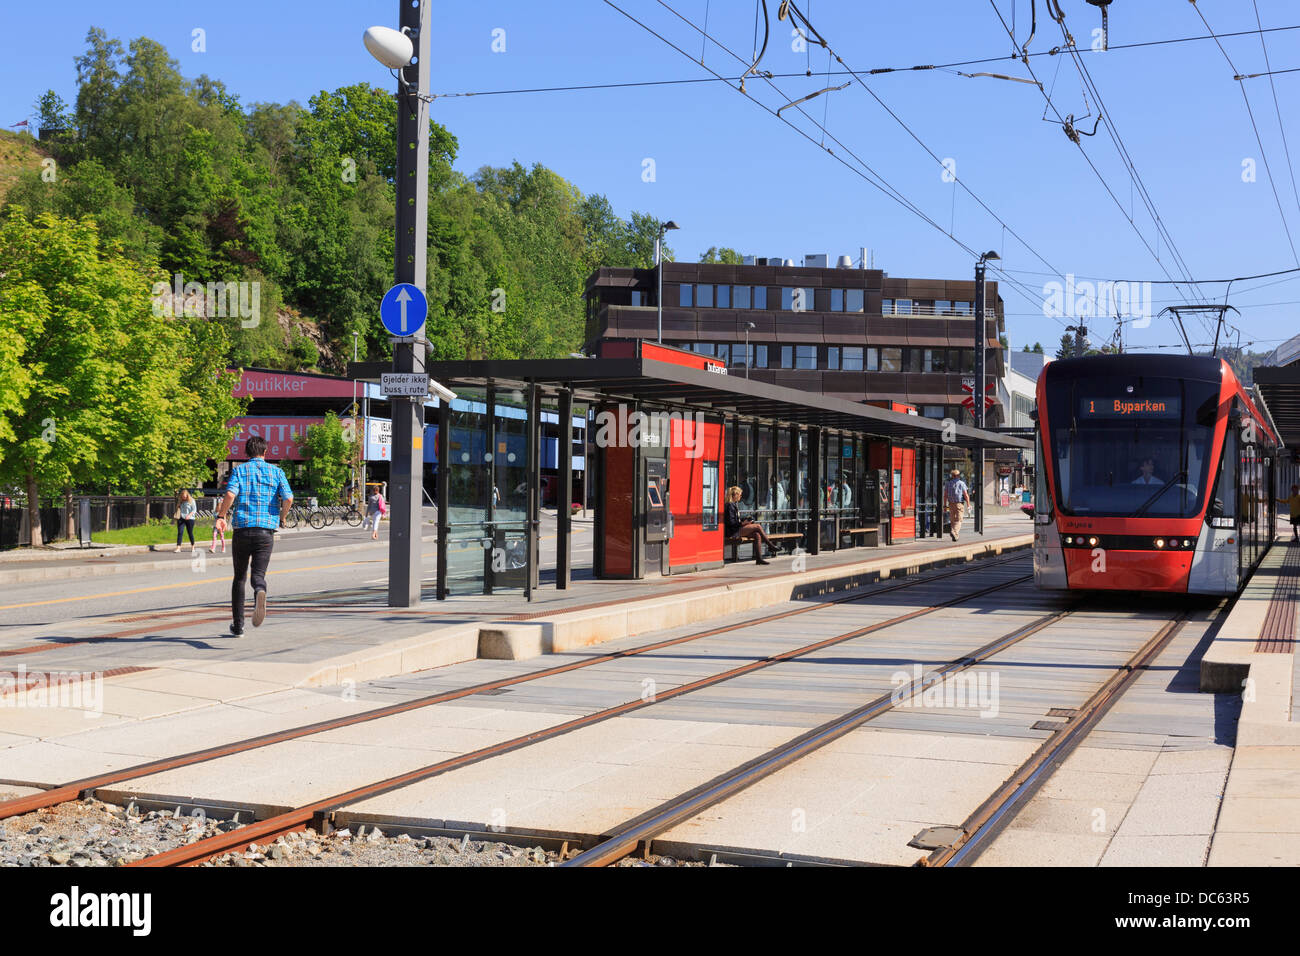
x=877 y=71
x=1277 y=106
x=1087 y=158
x=957 y=180
x=866 y=172
x=1258 y=138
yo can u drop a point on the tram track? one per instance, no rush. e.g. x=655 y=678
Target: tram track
x=82 y=787
x=977 y=832
x=316 y=814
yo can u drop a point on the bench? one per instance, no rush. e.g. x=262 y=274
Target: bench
x=872 y=533
x=735 y=543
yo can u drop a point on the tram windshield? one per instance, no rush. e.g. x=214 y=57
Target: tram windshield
x=1132 y=446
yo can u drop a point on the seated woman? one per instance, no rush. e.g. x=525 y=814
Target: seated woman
x=736 y=528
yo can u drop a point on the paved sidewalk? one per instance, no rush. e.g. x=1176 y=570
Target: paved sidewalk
x=1259 y=822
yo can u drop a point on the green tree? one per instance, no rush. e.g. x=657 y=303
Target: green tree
x=330 y=453
x=725 y=256
x=52 y=113
x=90 y=350
x=1066 y=348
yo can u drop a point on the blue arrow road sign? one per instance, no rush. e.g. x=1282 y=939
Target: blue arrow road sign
x=404 y=309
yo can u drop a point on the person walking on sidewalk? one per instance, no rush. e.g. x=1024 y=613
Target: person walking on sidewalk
x=957 y=495
x=1293 y=502
x=218 y=535
x=375 y=508
x=260 y=497
x=186 y=512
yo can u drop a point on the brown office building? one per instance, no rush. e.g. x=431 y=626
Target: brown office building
x=856 y=334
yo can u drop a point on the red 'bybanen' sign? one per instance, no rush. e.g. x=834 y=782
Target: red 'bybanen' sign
x=282 y=436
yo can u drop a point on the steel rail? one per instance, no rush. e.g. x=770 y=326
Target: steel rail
x=625 y=839
x=993 y=815
x=205 y=849
x=75 y=789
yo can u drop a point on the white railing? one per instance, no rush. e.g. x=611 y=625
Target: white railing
x=914 y=309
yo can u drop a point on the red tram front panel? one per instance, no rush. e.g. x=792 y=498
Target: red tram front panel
x=1140 y=464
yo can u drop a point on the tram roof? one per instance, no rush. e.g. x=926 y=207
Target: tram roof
x=1279 y=386
x=649 y=380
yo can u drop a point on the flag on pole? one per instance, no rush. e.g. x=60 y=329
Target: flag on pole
x=23 y=123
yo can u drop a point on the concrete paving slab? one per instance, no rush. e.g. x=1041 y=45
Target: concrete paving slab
x=1264 y=782
x=1092 y=785
x=1170 y=815
x=1069 y=816
x=1211 y=760
x=1259 y=815
x=1266 y=758
x=1143 y=851
x=1255 y=849
x=1026 y=848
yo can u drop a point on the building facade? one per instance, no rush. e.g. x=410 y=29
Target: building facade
x=855 y=334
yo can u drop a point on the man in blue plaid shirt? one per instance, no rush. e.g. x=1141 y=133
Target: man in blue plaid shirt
x=260 y=495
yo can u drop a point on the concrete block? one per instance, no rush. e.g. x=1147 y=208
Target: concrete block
x=513 y=642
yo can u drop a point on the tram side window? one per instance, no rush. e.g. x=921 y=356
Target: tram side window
x=1225 y=497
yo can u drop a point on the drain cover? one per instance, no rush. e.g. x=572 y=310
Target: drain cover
x=1048 y=725
x=932 y=838
x=1063 y=712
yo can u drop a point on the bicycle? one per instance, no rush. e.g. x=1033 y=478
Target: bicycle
x=352 y=516
x=291 y=518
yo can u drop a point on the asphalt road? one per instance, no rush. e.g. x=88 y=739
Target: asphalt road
x=355 y=577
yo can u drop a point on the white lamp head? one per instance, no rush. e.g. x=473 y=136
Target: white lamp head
x=390 y=47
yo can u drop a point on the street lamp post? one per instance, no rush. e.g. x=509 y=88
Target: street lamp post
x=659 y=268
x=406 y=52
x=749 y=359
x=978 y=392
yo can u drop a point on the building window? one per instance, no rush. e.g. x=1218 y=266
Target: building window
x=821 y=300
x=891 y=360
x=912 y=360
x=902 y=307
x=837 y=300
x=932 y=411
x=873 y=360
x=787 y=357
x=942 y=307
x=853 y=300
x=760 y=356
x=962 y=308
x=832 y=357
x=703 y=348
x=686 y=297
x=886 y=306
x=852 y=358
x=637 y=298
x=935 y=361
x=967 y=359
x=787 y=299
x=760 y=297
x=724 y=297
x=805 y=356
x=704 y=296
x=924 y=307
x=740 y=296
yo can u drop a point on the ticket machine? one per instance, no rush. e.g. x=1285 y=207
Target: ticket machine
x=657 y=519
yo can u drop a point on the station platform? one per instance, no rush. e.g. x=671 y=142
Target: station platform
x=1254 y=656
x=179 y=662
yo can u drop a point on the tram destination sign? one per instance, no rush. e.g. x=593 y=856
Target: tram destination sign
x=1131 y=407
x=404 y=384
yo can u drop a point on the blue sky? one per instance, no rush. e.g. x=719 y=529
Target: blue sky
x=732 y=175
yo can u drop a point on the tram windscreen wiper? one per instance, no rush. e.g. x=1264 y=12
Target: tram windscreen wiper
x=1163 y=488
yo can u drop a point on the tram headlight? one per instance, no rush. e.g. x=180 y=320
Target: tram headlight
x=1092 y=542
x=1187 y=544
x=1160 y=542
x=1069 y=539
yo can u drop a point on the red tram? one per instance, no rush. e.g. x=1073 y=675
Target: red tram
x=1154 y=473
